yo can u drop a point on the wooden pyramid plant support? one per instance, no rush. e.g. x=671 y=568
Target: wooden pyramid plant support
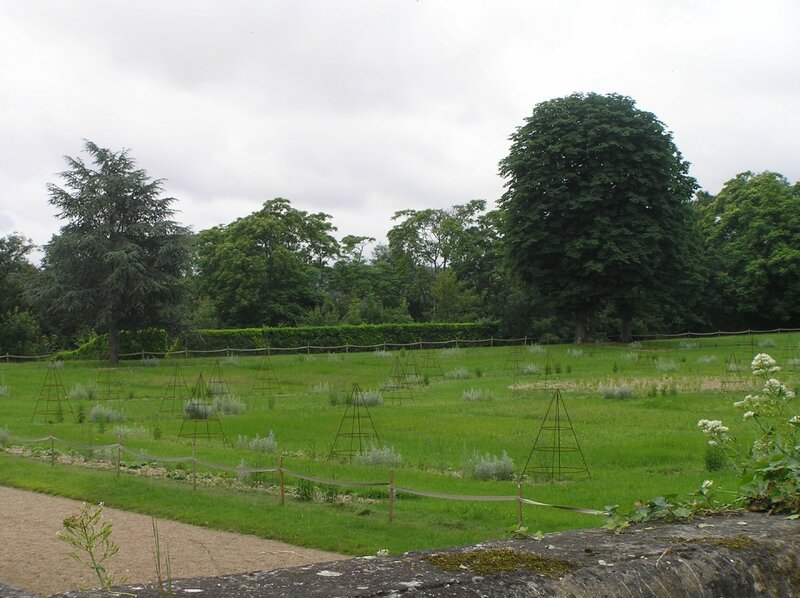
x=403 y=378
x=177 y=393
x=555 y=451
x=200 y=417
x=732 y=378
x=266 y=383
x=356 y=432
x=429 y=365
x=516 y=358
x=53 y=403
x=217 y=387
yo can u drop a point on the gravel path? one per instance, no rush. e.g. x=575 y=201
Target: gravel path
x=33 y=559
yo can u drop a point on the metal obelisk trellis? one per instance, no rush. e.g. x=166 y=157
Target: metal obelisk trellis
x=516 y=357
x=177 y=393
x=555 y=451
x=732 y=378
x=266 y=382
x=429 y=364
x=356 y=431
x=49 y=405
x=403 y=377
x=200 y=417
x=217 y=387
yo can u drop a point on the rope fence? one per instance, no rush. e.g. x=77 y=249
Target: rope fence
x=347 y=348
x=281 y=471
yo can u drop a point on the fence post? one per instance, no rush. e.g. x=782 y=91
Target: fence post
x=52 y=451
x=194 y=466
x=280 y=480
x=519 y=504
x=118 y=459
x=391 y=495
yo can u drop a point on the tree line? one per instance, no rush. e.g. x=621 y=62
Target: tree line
x=601 y=234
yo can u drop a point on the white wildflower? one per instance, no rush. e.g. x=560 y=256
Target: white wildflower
x=748 y=415
x=795 y=420
x=707 y=484
x=763 y=365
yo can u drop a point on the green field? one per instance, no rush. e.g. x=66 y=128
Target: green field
x=636 y=447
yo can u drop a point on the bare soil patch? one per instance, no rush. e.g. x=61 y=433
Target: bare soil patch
x=34 y=559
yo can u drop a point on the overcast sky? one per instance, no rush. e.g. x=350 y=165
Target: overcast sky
x=361 y=108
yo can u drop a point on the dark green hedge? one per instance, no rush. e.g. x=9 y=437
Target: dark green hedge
x=328 y=337
x=141 y=342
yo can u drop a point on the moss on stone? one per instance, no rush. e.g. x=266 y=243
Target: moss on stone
x=734 y=542
x=487 y=562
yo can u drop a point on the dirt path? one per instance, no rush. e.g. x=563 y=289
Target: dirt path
x=33 y=559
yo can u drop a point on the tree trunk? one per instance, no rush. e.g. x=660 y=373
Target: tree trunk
x=113 y=342
x=625 y=313
x=580 y=329
x=625 y=335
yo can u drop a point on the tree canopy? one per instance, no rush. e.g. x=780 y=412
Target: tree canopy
x=266 y=268
x=118 y=261
x=752 y=234
x=596 y=206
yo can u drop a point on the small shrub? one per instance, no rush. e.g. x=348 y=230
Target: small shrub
x=766 y=343
x=371 y=398
x=384 y=456
x=574 y=352
x=529 y=369
x=100 y=414
x=707 y=359
x=488 y=467
x=266 y=444
x=80 y=413
x=122 y=433
x=322 y=388
x=381 y=354
x=150 y=362
x=621 y=391
x=80 y=392
x=229 y=406
x=477 y=394
x=536 y=349
x=3 y=390
x=198 y=410
x=451 y=352
x=635 y=345
x=335 y=357
x=689 y=345
x=460 y=373
x=478 y=373
x=715 y=458
x=55 y=365
x=329 y=493
x=231 y=360
x=665 y=366
x=630 y=356
x=305 y=490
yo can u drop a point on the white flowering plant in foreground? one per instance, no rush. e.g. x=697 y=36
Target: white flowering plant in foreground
x=770 y=468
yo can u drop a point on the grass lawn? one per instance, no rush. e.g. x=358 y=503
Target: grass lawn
x=632 y=409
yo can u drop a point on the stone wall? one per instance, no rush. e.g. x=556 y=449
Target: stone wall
x=739 y=554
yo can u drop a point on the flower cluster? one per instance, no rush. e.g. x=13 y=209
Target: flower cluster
x=716 y=432
x=763 y=365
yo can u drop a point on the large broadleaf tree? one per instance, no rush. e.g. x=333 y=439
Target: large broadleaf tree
x=118 y=261
x=596 y=208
